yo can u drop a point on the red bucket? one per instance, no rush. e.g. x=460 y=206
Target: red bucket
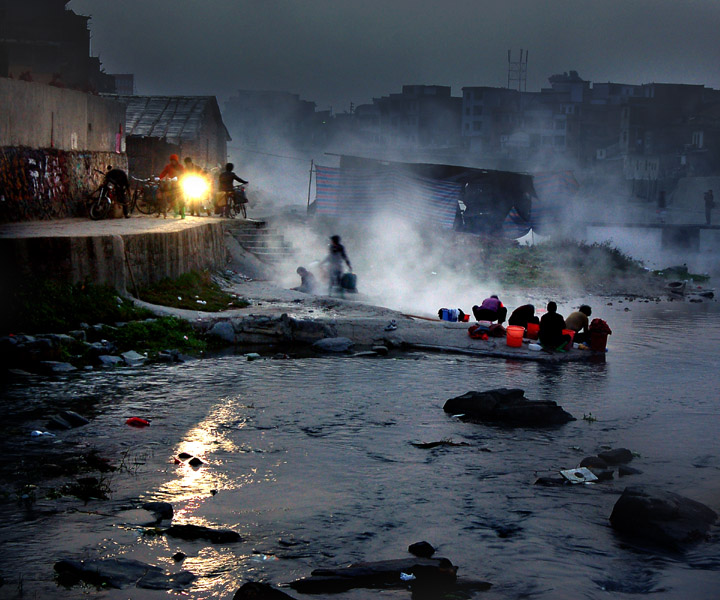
x=571 y=333
x=532 y=331
x=598 y=341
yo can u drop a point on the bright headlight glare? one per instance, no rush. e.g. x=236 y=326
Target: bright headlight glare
x=195 y=186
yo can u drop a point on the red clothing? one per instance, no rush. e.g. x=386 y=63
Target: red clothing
x=171 y=171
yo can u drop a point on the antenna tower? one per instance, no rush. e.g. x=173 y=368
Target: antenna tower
x=517 y=71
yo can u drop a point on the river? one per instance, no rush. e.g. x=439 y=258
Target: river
x=311 y=461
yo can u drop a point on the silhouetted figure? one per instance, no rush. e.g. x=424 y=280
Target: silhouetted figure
x=334 y=259
x=551 y=327
x=491 y=310
x=709 y=205
x=225 y=184
x=579 y=322
x=523 y=315
x=308 y=283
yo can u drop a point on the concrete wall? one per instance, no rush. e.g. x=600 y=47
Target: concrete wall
x=122 y=261
x=44 y=116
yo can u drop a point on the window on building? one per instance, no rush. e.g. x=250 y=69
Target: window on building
x=697 y=139
x=477 y=125
x=477 y=110
x=467 y=111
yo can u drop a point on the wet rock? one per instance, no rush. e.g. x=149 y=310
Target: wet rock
x=602 y=474
x=56 y=422
x=170 y=356
x=593 y=462
x=223 y=330
x=365 y=354
x=377 y=574
x=624 y=470
x=107 y=360
x=137 y=517
x=550 y=481
x=507 y=406
x=617 y=456
x=78 y=334
x=381 y=350
x=179 y=556
x=195 y=462
x=253 y=590
x=336 y=344
x=58 y=338
x=196 y=532
x=659 y=517
x=120 y=573
x=421 y=549
x=52 y=367
x=73 y=418
x=253 y=356
x=100 y=348
x=133 y=358
x=162 y=510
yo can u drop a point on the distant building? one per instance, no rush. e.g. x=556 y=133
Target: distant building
x=268 y=120
x=158 y=126
x=124 y=84
x=42 y=41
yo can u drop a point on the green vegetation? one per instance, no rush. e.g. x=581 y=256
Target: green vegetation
x=46 y=306
x=154 y=335
x=193 y=291
x=680 y=272
x=554 y=263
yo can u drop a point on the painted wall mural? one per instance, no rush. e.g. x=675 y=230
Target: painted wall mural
x=50 y=184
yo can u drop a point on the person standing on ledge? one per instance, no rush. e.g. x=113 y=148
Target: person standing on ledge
x=336 y=256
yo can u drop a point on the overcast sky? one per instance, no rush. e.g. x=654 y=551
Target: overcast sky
x=334 y=52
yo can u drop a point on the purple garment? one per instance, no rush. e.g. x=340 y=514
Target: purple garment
x=490 y=304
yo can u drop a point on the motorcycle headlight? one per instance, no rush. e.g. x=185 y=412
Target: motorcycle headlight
x=195 y=186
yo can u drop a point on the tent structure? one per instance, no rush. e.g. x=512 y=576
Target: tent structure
x=447 y=196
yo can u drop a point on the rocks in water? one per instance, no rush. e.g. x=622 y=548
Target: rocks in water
x=107 y=360
x=162 y=510
x=427 y=572
x=223 y=330
x=422 y=549
x=196 y=532
x=334 y=344
x=659 y=517
x=53 y=367
x=133 y=358
x=593 y=462
x=624 y=470
x=616 y=456
x=381 y=350
x=253 y=590
x=121 y=573
x=507 y=406
x=67 y=419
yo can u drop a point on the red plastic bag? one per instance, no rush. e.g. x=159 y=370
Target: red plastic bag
x=137 y=422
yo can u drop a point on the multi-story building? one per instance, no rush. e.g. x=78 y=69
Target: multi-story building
x=42 y=41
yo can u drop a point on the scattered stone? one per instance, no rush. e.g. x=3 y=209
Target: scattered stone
x=365 y=354
x=661 y=517
x=56 y=422
x=107 y=360
x=381 y=350
x=508 y=406
x=137 y=517
x=377 y=574
x=184 y=455
x=103 y=347
x=120 y=573
x=421 y=549
x=74 y=418
x=179 y=556
x=53 y=367
x=430 y=445
x=617 y=456
x=195 y=462
x=132 y=358
x=78 y=334
x=624 y=470
x=253 y=356
x=162 y=510
x=195 y=532
x=602 y=474
x=253 y=590
x=593 y=462
x=550 y=481
x=336 y=344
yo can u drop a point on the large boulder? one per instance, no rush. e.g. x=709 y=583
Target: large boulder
x=335 y=344
x=508 y=406
x=196 y=532
x=661 y=517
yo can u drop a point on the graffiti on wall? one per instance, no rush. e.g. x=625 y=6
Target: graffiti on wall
x=49 y=184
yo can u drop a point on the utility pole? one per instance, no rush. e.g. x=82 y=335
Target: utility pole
x=517 y=70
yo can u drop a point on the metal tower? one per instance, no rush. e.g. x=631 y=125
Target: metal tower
x=517 y=70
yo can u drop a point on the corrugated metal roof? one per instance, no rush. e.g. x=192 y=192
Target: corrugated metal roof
x=174 y=118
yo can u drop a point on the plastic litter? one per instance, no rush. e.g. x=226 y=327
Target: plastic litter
x=579 y=475
x=137 y=422
x=407 y=577
x=391 y=326
x=534 y=347
x=38 y=433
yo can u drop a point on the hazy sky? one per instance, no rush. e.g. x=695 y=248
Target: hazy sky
x=335 y=52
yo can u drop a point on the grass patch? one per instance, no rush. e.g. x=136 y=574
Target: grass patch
x=155 y=335
x=46 y=306
x=194 y=291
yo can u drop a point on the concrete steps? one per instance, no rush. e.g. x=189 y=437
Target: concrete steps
x=261 y=240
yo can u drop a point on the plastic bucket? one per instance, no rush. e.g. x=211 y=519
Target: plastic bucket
x=515 y=336
x=533 y=329
x=571 y=333
x=598 y=341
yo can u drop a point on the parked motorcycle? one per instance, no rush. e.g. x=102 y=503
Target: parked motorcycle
x=114 y=188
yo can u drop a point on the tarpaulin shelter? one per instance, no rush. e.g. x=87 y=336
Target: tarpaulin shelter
x=423 y=192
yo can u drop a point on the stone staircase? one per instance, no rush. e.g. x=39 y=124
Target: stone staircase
x=261 y=240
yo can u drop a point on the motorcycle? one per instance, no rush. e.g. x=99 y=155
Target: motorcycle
x=111 y=190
